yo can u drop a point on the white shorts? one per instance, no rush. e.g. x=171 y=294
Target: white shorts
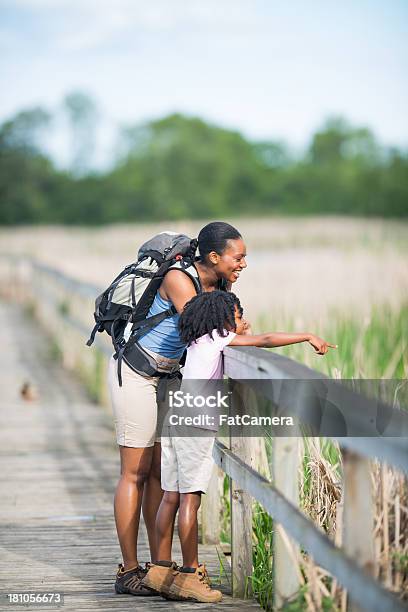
x=186 y=463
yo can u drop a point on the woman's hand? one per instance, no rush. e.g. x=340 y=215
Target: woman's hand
x=320 y=346
x=247 y=330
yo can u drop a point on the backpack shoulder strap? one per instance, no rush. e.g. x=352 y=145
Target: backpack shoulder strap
x=191 y=271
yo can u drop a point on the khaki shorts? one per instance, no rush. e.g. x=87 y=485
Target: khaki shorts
x=137 y=414
x=186 y=463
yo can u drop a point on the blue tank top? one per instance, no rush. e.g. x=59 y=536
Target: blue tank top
x=164 y=338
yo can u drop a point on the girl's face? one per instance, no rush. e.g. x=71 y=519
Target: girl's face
x=239 y=322
x=231 y=262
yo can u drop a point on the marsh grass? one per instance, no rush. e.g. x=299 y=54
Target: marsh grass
x=262 y=577
x=298 y=269
x=368 y=347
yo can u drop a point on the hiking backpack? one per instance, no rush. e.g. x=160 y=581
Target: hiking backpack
x=122 y=309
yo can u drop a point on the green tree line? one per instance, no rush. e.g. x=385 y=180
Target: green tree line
x=181 y=167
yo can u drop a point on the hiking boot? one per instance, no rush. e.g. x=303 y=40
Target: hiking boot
x=160 y=577
x=129 y=582
x=191 y=585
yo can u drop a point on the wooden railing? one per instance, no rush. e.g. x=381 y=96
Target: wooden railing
x=64 y=307
x=351 y=565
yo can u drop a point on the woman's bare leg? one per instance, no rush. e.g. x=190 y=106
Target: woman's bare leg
x=188 y=527
x=166 y=517
x=152 y=496
x=135 y=470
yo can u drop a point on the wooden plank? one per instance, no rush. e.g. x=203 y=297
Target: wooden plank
x=241 y=507
x=285 y=477
x=211 y=509
x=358 y=514
x=360 y=585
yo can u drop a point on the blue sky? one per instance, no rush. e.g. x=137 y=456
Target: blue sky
x=271 y=70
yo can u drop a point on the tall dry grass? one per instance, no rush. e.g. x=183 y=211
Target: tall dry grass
x=298 y=269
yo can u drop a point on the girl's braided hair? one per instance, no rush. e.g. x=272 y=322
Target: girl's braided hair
x=206 y=312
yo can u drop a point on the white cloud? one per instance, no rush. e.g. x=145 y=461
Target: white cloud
x=79 y=25
x=154 y=15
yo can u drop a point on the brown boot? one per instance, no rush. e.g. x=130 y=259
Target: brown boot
x=194 y=586
x=129 y=582
x=160 y=577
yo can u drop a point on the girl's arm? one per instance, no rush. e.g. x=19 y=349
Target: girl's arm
x=275 y=339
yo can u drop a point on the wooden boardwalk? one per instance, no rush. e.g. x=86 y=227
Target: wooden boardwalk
x=59 y=467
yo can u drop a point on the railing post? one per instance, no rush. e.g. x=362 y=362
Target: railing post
x=285 y=476
x=210 y=510
x=358 y=513
x=241 y=508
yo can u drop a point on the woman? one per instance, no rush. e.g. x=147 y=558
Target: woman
x=222 y=259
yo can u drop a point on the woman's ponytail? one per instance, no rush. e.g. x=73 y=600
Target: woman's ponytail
x=193 y=248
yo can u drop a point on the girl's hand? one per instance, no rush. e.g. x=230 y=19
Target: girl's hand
x=320 y=346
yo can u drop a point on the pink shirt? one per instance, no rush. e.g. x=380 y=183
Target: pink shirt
x=204 y=357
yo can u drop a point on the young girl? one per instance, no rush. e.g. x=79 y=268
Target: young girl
x=209 y=322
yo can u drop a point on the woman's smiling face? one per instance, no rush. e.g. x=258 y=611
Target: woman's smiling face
x=231 y=262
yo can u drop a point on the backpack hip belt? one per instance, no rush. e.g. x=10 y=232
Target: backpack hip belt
x=144 y=364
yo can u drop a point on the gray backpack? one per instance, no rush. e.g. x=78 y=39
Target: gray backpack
x=122 y=308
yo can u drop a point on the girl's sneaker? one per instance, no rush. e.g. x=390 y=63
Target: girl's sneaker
x=191 y=585
x=129 y=582
x=160 y=577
